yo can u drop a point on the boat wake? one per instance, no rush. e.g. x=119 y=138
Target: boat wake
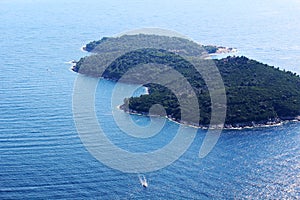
x=143 y=180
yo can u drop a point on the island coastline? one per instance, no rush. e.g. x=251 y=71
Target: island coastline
x=240 y=126
x=234 y=123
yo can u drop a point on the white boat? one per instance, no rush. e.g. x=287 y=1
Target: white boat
x=143 y=181
x=145 y=184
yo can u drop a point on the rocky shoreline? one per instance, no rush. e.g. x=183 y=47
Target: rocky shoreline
x=237 y=126
x=221 y=50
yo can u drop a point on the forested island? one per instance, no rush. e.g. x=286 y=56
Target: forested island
x=257 y=94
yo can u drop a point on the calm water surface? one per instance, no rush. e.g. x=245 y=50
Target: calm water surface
x=41 y=155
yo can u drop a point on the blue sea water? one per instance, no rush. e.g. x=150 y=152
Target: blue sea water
x=41 y=154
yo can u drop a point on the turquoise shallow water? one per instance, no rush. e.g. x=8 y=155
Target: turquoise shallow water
x=41 y=155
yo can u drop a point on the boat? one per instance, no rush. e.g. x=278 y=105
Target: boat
x=145 y=184
x=143 y=181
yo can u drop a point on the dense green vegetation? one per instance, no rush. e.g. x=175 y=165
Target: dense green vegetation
x=255 y=92
x=132 y=42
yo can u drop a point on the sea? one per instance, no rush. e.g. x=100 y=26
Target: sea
x=42 y=155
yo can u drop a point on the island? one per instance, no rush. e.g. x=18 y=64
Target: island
x=257 y=94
